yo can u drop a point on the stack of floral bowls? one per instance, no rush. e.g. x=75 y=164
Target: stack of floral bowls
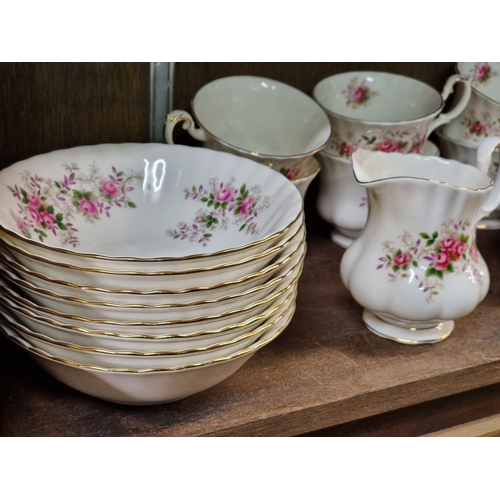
x=144 y=273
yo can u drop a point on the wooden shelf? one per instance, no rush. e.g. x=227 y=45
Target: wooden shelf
x=324 y=372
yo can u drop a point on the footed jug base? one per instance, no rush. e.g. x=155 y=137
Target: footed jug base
x=340 y=239
x=409 y=336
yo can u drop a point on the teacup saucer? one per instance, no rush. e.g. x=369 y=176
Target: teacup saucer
x=407 y=336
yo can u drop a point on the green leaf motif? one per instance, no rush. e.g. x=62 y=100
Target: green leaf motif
x=425 y=236
x=430 y=272
x=50 y=210
x=77 y=194
x=132 y=204
x=242 y=227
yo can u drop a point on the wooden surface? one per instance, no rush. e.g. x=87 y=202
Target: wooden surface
x=325 y=370
x=49 y=106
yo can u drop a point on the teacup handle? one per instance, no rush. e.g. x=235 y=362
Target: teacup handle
x=187 y=124
x=460 y=106
x=483 y=162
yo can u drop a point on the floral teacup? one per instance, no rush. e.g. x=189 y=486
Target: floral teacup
x=384 y=111
x=341 y=201
x=481 y=117
x=258 y=118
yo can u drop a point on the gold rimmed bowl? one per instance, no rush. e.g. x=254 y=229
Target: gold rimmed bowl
x=164 y=358
x=148 y=281
x=148 y=386
x=161 y=339
x=118 y=207
x=13 y=301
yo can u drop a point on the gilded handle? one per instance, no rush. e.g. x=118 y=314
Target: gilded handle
x=460 y=106
x=188 y=124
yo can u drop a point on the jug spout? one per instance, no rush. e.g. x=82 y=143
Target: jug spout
x=416 y=265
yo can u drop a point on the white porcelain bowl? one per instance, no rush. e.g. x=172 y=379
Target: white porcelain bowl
x=14 y=301
x=136 y=202
x=173 y=280
x=142 y=387
x=138 y=342
x=108 y=311
x=150 y=360
x=264 y=279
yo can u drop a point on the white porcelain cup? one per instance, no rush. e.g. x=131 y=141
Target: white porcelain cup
x=384 y=111
x=262 y=119
x=343 y=202
x=481 y=117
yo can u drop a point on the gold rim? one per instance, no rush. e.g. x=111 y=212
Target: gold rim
x=249 y=277
x=18 y=299
x=229 y=251
x=99 y=350
x=26 y=284
x=253 y=258
x=142 y=336
x=249 y=350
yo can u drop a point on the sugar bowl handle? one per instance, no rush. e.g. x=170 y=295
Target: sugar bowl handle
x=483 y=163
x=459 y=107
x=188 y=124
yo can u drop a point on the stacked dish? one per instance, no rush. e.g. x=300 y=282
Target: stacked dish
x=144 y=273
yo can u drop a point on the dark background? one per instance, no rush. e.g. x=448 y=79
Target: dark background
x=49 y=106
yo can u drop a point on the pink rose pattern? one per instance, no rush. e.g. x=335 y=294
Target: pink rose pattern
x=358 y=94
x=479 y=127
x=393 y=142
x=51 y=206
x=223 y=204
x=482 y=72
x=451 y=250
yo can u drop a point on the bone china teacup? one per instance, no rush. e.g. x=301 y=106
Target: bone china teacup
x=384 y=111
x=267 y=121
x=480 y=118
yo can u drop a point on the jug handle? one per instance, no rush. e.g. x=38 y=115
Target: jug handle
x=187 y=124
x=483 y=162
x=460 y=106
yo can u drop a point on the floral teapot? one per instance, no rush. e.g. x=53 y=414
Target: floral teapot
x=416 y=266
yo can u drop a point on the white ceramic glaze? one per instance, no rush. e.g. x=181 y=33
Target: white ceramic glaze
x=341 y=201
x=258 y=118
x=177 y=280
x=149 y=266
x=416 y=263
x=303 y=180
x=13 y=300
x=148 y=360
x=481 y=117
x=467 y=154
x=175 y=283
x=384 y=111
x=110 y=311
x=160 y=298
x=145 y=201
x=138 y=342
x=145 y=387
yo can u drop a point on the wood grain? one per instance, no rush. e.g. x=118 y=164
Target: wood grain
x=49 y=106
